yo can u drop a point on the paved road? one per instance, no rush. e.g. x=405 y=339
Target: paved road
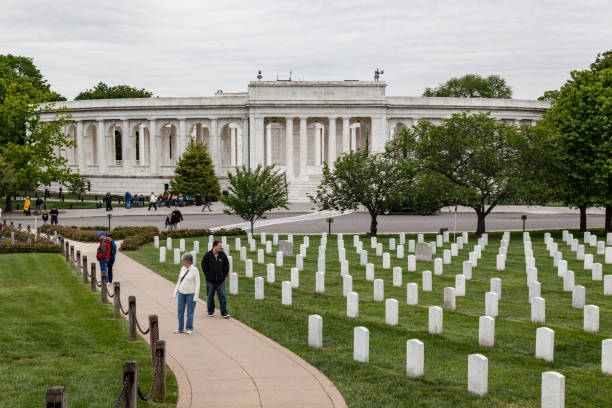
x=360 y=222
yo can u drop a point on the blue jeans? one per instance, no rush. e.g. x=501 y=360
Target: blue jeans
x=185 y=300
x=211 y=288
x=103 y=265
x=0 y=238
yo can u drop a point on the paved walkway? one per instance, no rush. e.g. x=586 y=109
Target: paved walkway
x=224 y=363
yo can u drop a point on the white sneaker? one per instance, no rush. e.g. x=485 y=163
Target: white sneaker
x=189 y=331
x=177 y=331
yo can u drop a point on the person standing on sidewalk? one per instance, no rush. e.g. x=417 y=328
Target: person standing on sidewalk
x=215 y=266
x=109 y=201
x=187 y=289
x=177 y=218
x=26 y=206
x=111 y=259
x=54 y=214
x=152 y=201
x=103 y=252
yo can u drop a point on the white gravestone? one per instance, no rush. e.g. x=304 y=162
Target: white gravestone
x=411 y=263
x=460 y=285
x=601 y=247
x=606 y=356
x=467 y=270
x=347 y=285
x=361 y=344
x=373 y=242
x=491 y=304
x=562 y=267
x=423 y=252
x=320 y=282
x=363 y=258
x=386 y=261
x=286 y=247
x=438 y=266
x=274 y=239
x=344 y=268
x=252 y=246
x=315 y=331
x=501 y=262
x=299 y=262
x=162 y=254
x=341 y=254
x=593 y=241
x=391 y=312
x=233 y=283
x=248 y=268
x=286 y=293
x=182 y=245
x=496 y=287
x=420 y=238
x=532 y=275
x=370 y=272
x=397 y=276
x=262 y=238
x=268 y=247
x=445 y=236
x=195 y=262
x=435 y=320
x=588 y=261
x=321 y=252
x=439 y=241
x=545 y=344
x=156 y=241
x=446 y=256
x=196 y=247
x=478 y=374
x=449 y=299
x=596 y=272
x=557 y=256
x=295 y=278
x=503 y=251
x=608 y=255
x=270 y=273
x=260 y=256
x=578 y=297
x=237 y=243
x=321 y=264
x=587 y=236
x=427 y=281
x=538 y=310
x=400 y=252
x=473 y=258
x=411 y=245
x=608 y=285
x=591 y=319
x=402 y=239
x=454 y=250
x=279 y=259
x=352 y=304
x=379 y=290
x=303 y=250
x=460 y=243
x=486 y=331
x=379 y=249
x=580 y=253
x=168 y=243
x=432 y=245
x=568 y=281
x=415 y=358
x=391 y=244
x=259 y=288
x=412 y=294
x=177 y=256
x=478 y=251
x=609 y=238
x=535 y=290
x=553 y=390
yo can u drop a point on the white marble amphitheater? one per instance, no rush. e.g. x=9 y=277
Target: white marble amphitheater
x=133 y=144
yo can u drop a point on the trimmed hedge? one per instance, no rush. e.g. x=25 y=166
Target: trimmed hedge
x=21 y=247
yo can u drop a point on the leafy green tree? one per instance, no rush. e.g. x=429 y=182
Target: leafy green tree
x=254 y=192
x=77 y=185
x=103 y=91
x=487 y=161
x=28 y=145
x=376 y=181
x=602 y=61
x=472 y=86
x=195 y=173
x=581 y=117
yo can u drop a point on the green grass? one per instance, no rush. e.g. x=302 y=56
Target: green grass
x=18 y=205
x=54 y=331
x=514 y=373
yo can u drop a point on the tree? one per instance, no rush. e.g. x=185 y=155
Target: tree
x=602 y=61
x=28 y=145
x=103 y=91
x=195 y=173
x=473 y=86
x=581 y=117
x=486 y=160
x=254 y=192
x=77 y=185
x=376 y=181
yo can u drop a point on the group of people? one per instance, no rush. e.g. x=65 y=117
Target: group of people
x=173 y=220
x=215 y=267
x=105 y=254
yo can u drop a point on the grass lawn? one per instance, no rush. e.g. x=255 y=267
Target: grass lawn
x=18 y=204
x=514 y=373
x=54 y=331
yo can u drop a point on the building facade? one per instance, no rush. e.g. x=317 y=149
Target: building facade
x=134 y=144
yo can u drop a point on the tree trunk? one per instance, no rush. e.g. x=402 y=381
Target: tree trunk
x=252 y=223
x=480 y=227
x=8 y=204
x=583 y=218
x=373 y=223
x=608 y=225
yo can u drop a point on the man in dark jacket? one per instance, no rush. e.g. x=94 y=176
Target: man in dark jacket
x=177 y=218
x=216 y=267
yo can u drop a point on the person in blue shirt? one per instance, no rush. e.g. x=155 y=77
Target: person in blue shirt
x=111 y=260
x=128 y=199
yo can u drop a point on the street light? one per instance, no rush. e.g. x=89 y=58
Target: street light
x=524 y=218
x=109 y=218
x=329 y=223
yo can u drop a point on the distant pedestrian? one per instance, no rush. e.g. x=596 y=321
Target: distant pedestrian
x=109 y=201
x=54 y=215
x=39 y=203
x=168 y=200
x=215 y=266
x=111 y=259
x=152 y=201
x=103 y=252
x=177 y=217
x=169 y=222
x=128 y=200
x=207 y=203
x=47 y=194
x=187 y=289
x=26 y=206
x=45 y=217
x=181 y=200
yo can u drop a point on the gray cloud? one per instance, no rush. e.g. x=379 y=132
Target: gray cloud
x=190 y=48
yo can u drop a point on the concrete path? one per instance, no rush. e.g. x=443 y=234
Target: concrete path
x=224 y=363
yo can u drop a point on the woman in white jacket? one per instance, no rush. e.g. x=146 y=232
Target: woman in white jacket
x=187 y=288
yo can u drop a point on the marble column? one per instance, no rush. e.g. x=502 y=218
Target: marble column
x=126 y=137
x=345 y=134
x=377 y=135
x=181 y=138
x=141 y=145
x=101 y=145
x=289 y=145
x=81 y=147
x=317 y=141
x=303 y=146
x=233 y=146
x=331 y=142
x=213 y=141
x=353 y=139
x=239 y=136
x=153 y=147
x=268 y=161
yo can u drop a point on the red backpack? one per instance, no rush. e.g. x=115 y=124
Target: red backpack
x=103 y=250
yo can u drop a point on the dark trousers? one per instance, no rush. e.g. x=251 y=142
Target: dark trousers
x=152 y=203
x=211 y=288
x=109 y=273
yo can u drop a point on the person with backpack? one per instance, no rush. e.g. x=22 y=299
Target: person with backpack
x=103 y=252
x=111 y=259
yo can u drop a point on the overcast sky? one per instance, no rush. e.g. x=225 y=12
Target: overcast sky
x=192 y=48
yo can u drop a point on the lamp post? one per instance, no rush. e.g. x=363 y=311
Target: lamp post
x=524 y=218
x=109 y=218
x=330 y=220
